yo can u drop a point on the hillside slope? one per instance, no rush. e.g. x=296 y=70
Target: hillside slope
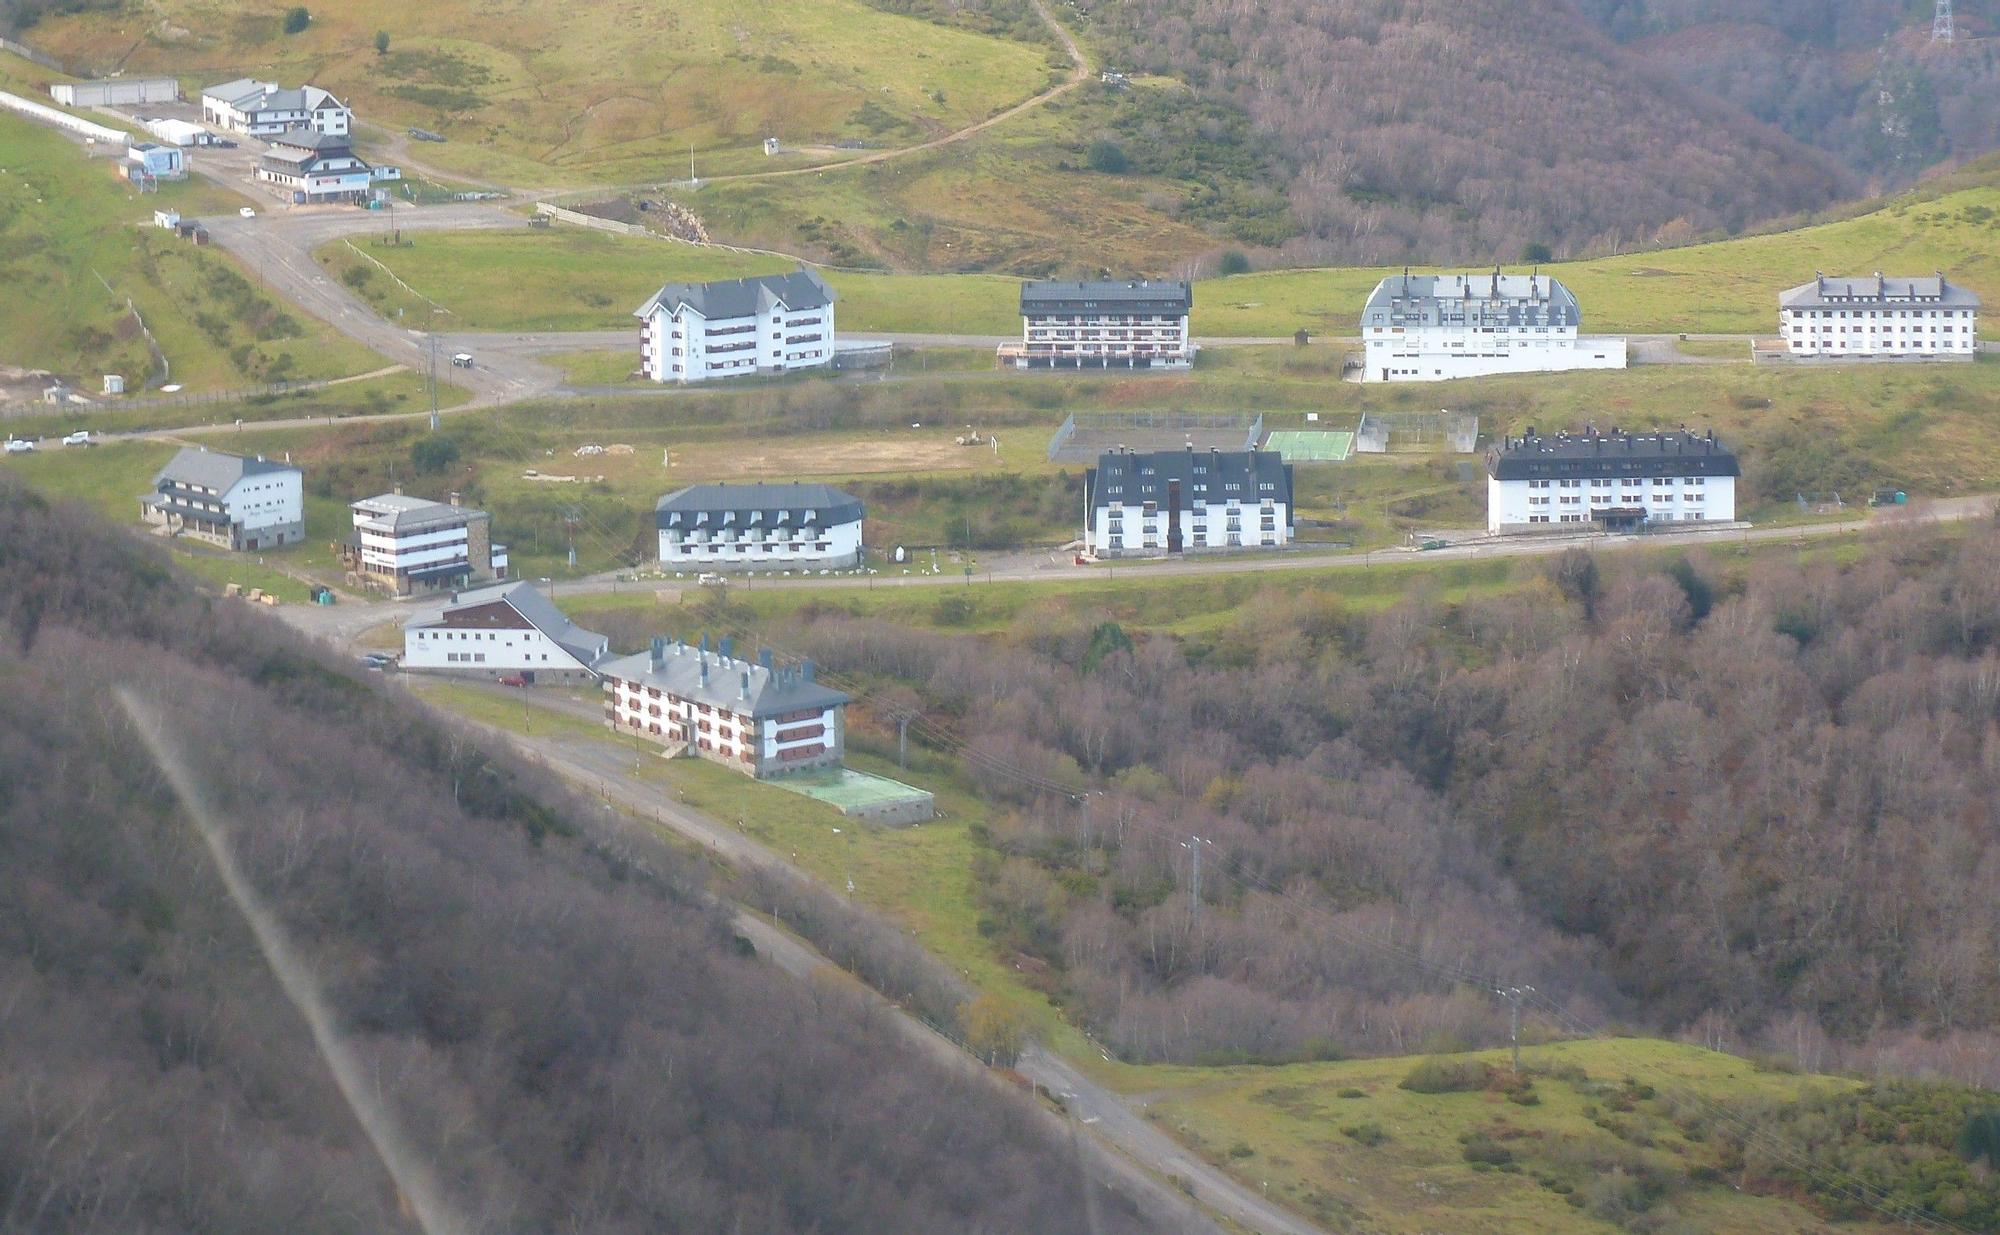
x=567 y=1039
x=1470 y=129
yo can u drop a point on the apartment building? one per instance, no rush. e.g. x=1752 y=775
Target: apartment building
x=697 y=332
x=1615 y=481
x=263 y=109
x=412 y=545
x=228 y=500
x=1879 y=317
x=1187 y=501
x=756 y=717
x=748 y=526
x=1138 y=325
x=1435 y=327
x=503 y=630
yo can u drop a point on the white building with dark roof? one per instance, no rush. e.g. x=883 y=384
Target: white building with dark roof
x=264 y=109
x=303 y=165
x=228 y=500
x=697 y=332
x=1615 y=481
x=1187 y=501
x=1915 y=319
x=1133 y=325
x=503 y=630
x=758 y=718
x=1435 y=327
x=412 y=545
x=750 y=526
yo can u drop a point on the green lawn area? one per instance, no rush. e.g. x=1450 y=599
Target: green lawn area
x=76 y=243
x=403 y=391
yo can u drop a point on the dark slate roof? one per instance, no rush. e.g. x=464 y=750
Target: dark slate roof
x=1875 y=291
x=1129 y=478
x=312 y=139
x=407 y=516
x=801 y=289
x=1175 y=298
x=756 y=505
x=1589 y=454
x=757 y=689
x=213 y=469
x=540 y=612
x=1471 y=301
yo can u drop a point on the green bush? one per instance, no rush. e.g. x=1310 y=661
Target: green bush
x=1107 y=156
x=1351 y=1092
x=1445 y=1076
x=1233 y=262
x=433 y=454
x=1370 y=1134
x=297 y=19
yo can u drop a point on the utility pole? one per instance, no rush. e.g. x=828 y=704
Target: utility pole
x=434 y=383
x=903 y=740
x=1943 y=28
x=1514 y=995
x=1194 y=844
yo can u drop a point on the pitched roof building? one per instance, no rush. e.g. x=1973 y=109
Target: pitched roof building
x=502 y=630
x=412 y=545
x=1174 y=501
x=264 y=109
x=1619 y=481
x=692 y=332
x=1433 y=327
x=1880 y=317
x=756 y=717
x=760 y=525
x=228 y=500
x=1137 y=325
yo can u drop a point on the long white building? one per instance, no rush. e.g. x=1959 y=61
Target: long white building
x=1616 y=481
x=1187 y=501
x=1831 y=318
x=503 y=630
x=263 y=109
x=757 y=718
x=1434 y=327
x=228 y=500
x=412 y=545
x=1142 y=325
x=725 y=526
x=697 y=332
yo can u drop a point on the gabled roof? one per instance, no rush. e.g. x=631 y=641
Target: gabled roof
x=1876 y=291
x=1487 y=298
x=801 y=289
x=1143 y=296
x=406 y=515
x=538 y=610
x=1593 y=454
x=1130 y=478
x=757 y=689
x=799 y=504
x=213 y=469
x=239 y=91
x=312 y=139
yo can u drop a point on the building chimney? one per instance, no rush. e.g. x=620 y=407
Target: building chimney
x=704 y=669
x=727 y=647
x=453 y=497
x=806 y=668
x=744 y=693
x=659 y=652
x=704 y=644
x=397 y=490
x=764 y=658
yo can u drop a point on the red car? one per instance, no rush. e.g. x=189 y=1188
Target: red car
x=513 y=679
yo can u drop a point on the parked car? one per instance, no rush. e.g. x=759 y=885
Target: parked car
x=247 y=212
x=514 y=679
x=79 y=438
x=463 y=360
x=18 y=446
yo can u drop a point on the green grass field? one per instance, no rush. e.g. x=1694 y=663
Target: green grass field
x=76 y=243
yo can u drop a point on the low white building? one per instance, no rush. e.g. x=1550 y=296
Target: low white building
x=154 y=160
x=757 y=718
x=503 y=630
x=1832 y=318
x=1187 y=501
x=116 y=92
x=228 y=500
x=1615 y=481
x=1140 y=325
x=303 y=166
x=412 y=545
x=751 y=526
x=1434 y=327
x=177 y=132
x=263 y=109
x=696 y=332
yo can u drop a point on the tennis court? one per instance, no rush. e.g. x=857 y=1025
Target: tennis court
x=861 y=795
x=1311 y=445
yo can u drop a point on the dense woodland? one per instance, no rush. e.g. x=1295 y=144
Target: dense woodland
x=571 y=1038
x=1753 y=805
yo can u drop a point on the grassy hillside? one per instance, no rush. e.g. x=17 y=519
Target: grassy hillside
x=593 y=93
x=76 y=243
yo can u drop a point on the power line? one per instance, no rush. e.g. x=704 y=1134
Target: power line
x=1943 y=28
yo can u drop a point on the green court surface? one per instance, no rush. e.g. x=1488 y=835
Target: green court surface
x=1311 y=445
x=847 y=790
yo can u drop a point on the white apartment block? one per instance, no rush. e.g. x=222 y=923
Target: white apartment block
x=1614 y=481
x=228 y=500
x=750 y=526
x=503 y=630
x=1187 y=501
x=757 y=718
x=1432 y=328
x=697 y=332
x=1832 y=318
x=1142 y=325
x=412 y=545
x=261 y=109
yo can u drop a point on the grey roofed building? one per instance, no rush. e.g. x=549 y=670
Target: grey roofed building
x=212 y=469
x=1174 y=298
x=237 y=90
x=760 y=689
x=1598 y=455
x=1876 y=291
x=1471 y=301
x=801 y=289
x=1131 y=478
x=312 y=139
x=405 y=516
x=811 y=504
x=539 y=611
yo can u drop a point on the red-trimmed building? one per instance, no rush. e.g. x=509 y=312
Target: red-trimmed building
x=755 y=717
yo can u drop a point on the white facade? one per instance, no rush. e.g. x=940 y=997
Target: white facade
x=502 y=630
x=1187 y=501
x=751 y=526
x=757 y=718
x=1832 y=318
x=736 y=328
x=228 y=500
x=1432 y=328
x=261 y=109
x=1612 y=480
x=152 y=159
x=412 y=544
x=116 y=92
x=1141 y=325
x=304 y=166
